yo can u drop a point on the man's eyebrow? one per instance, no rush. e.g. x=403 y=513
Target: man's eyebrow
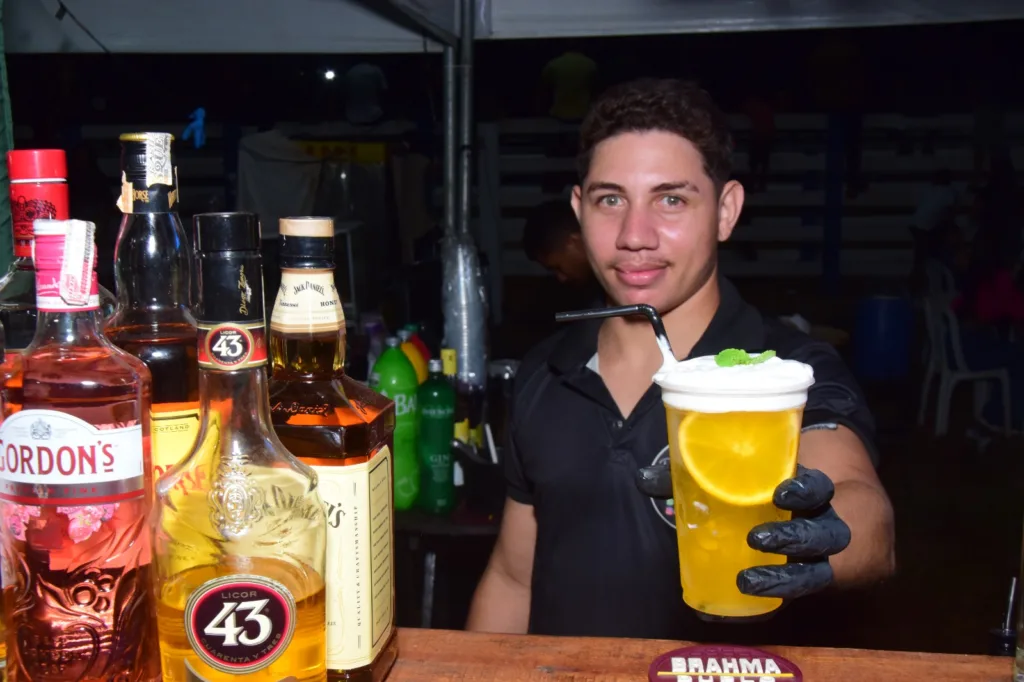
x=684 y=185
x=605 y=187
x=679 y=185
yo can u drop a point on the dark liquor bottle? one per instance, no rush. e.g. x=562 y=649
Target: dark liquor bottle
x=78 y=592
x=153 y=274
x=240 y=551
x=345 y=431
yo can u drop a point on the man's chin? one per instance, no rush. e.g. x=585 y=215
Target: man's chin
x=639 y=297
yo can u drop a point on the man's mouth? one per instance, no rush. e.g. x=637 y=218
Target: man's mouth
x=639 y=274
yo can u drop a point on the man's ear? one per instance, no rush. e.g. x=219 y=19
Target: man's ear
x=730 y=205
x=577 y=200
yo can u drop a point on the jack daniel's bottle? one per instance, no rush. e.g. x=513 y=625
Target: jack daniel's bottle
x=345 y=432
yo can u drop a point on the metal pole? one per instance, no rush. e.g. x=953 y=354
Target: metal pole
x=450 y=145
x=468 y=18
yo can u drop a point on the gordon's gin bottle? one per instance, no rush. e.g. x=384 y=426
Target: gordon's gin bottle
x=75 y=488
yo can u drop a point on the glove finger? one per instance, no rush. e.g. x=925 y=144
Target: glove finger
x=809 y=489
x=655 y=481
x=788 y=581
x=822 y=535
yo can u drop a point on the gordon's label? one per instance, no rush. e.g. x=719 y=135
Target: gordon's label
x=722 y=663
x=232 y=345
x=360 y=610
x=240 y=624
x=52 y=458
x=173 y=433
x=307 y=302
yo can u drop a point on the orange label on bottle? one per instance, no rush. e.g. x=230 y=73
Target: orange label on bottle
x=173 y=433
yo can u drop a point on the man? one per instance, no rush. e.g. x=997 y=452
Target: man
x=552 y=239
x=582 y=550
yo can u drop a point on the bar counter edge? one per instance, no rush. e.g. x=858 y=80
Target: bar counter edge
x=470 y=656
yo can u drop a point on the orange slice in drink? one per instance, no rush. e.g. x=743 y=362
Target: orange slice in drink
x=740 y=457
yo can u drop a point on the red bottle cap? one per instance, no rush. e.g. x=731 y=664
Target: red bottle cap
x=37 y=164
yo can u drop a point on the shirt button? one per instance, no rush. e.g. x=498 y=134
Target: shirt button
x=617 y=424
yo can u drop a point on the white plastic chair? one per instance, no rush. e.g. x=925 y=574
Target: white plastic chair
x=946 y=361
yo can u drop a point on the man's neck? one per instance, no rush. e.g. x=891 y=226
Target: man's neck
x=631 y=340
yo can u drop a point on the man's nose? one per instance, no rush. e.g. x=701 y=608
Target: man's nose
x=637 y=231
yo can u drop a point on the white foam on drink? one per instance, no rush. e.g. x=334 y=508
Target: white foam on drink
x=700 y=385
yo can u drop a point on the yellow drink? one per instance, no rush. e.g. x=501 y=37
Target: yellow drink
x=733 y=436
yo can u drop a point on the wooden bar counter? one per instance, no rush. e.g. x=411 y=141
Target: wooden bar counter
x=444 y=655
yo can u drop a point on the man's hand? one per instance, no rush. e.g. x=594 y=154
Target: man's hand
x=815 y=533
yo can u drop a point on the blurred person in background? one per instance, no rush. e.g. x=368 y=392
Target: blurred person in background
x=552 y=239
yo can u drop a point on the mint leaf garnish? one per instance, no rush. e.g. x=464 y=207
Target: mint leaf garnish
x=731 y=357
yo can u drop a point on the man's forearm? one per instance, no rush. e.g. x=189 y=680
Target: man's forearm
x=499 y=605
x=871 y=555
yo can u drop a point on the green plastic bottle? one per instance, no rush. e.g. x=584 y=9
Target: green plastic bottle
x=394 y=377
x=436 y=399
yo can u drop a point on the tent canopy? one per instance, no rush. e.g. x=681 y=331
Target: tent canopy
x=228 y=26
x=544 y=18
x=367 y=26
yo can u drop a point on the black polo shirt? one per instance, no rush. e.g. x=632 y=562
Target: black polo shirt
x=606 y=561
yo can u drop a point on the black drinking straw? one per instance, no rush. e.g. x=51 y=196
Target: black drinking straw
x=624 y=311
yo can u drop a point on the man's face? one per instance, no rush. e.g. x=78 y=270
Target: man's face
x=651 y=218
x=569 y=262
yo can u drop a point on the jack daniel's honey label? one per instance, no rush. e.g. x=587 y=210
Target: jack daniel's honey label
x=307 y=303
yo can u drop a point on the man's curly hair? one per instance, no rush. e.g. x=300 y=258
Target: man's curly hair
x=668 y=105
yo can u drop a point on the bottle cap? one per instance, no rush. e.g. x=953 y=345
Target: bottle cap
x=307 y=242
x=404 y=334
x=149 y=179
x=217 y=232
x=37 y=164
x=229 y=307
x=392 y=342
x=448 y=359
x=412 y=327
x=65 y=259
x=435 y=365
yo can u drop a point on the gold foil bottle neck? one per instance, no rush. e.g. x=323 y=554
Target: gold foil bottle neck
x=145 y=137
x=307 y=226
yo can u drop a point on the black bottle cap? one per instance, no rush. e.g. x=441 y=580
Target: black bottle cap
x=229 y=307
x=216 y=232
x=307 y=242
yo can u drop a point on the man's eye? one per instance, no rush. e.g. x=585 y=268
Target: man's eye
x=673 y=201
x=609 y=200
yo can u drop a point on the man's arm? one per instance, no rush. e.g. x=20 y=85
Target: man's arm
x=502 y=599
x=860 y=501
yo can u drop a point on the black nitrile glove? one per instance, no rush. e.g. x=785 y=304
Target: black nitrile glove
x=815 y=533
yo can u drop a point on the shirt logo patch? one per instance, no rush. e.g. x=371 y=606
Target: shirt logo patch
x=664 y=508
